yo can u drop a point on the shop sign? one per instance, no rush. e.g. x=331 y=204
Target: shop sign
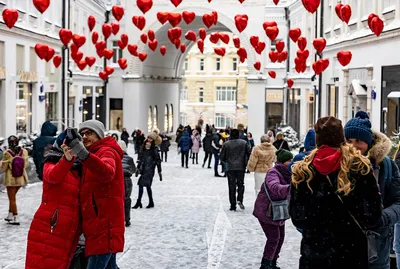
x=51 y=87
x=274 y=96
x=2 y=73
x=28 y=76
x=358 y=74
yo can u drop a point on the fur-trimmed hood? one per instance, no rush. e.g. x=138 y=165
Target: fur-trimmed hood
x=381 y=148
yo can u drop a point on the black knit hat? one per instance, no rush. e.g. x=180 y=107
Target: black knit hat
x=329 y=132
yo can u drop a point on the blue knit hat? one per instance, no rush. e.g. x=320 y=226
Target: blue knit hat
x=359 y=128
x=309 y=141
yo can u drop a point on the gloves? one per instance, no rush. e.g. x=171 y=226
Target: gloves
x=160 y=175
x=70 y=135
x=79 y=149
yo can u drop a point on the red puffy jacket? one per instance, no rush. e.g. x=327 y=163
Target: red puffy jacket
x=55 y=228
x=102 y=198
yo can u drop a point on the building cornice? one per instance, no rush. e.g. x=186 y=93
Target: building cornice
x=18 y=32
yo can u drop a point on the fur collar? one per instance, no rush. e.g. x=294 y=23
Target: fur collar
x=381 y=148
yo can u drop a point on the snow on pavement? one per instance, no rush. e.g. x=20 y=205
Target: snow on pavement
x=190 y=227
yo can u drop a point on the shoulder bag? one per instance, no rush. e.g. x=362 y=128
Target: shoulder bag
x=280 y=209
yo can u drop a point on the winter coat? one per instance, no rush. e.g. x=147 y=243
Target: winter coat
x=56 y=226
x=234 y=153
x=148 y=160
x=179 y=134
x=125 y=137
x=128 y=165
x=185 y=143
x=331 y=239
x=196 y=141
x=309 y=145
x=251 y=142
x=262 y=158
x=164 y=147
x=285 y=145
x=139 y=140
x=277 y=181
x=6 y=167
x=47 y=137
x=215 y=143
x=207 y=140
x=102 y=198
x=158 y=140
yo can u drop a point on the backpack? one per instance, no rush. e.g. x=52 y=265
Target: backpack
x=387 y=166
x=18 y=164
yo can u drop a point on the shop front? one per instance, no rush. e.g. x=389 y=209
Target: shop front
x=273 y=108
x=390 y=117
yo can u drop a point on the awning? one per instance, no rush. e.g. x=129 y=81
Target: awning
x=357 y=88
x=394 y=95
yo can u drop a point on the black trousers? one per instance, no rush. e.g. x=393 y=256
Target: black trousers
x=209 y=157
x=185 y=159
x=162 y=156
x=128 y=200
x=195 y=156
x=235 y=179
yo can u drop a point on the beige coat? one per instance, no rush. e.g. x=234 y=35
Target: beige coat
x=6 y=165
x=262 y=158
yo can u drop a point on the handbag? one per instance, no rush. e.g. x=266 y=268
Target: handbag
x=280 y=209
x=371 y=236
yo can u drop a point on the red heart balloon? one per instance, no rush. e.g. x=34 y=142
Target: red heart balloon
x=302 y=43
x=151 y=35
x=79 y=40
x=377 y=26
x=325 y=64
x=122 y=63
x=143 y=37
x=294 y=34
x=188 y=16
x=303 y=54
x=65 y=36
x=183 y=48
x=345 y=13
x=254 y=41
x=344 y=57
x=144 y=5
x=50 y=54
x=190 y=35
x=100 y=53
x=202 y=33
x=57 y=61
x=273 y=56
x=319 y=44
x=276 y=2
x=109 y=70
x=176 y=32
x=260 y=47
x=282 y=56
x=41 y=5
x=236 y=42
x=142 y=56
x=106 y=29
x=220 y=51
x=214 y=38
x=272 y=74
x=224 y=37
x=82 y=64
x=90 y=60
x=242 y=59
x=91 y=22
x=115 y=27
x=311 y=5
x=124 y=39
x=95 y=37
x=272 y=32
x=176 y=3
x=132 y=48
x=174 y=19
x=280 y=45
x=301 y=68
x=370 y=18
x=103 y=75
x=73 y=49
x=290 y=83
x=242 y=53
x=257 y=66
x=338 y=7
x=108 y=53
x=153 y=44
x=163 y=50
x=269 y=24
x=118 y=12
x=162 y=17
x=99 y=45
x=121 y=44
x=177 y=43
x=10 y=17
x=208 y=20
x=241 y=22
x=78 y=56
x=41 y=50
x=317 y=67
x=215 y=14
x=139 y=22
x=200 y=45
x=241 y=1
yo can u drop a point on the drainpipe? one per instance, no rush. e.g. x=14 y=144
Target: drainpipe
x=104 y=104
x=321 y=33
x=64 y=48
x=285 y=92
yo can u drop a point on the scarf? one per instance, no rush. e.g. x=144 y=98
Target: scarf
x=327 y=160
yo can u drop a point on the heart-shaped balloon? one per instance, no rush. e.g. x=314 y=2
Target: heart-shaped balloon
x=176 y=32
x=345 y=13
x=294 y=34
x=121 y=44
x=57 y=61
x=242 y=53
x=132 y=48
x=90 y=60
x=242 y=59
x=290 y=83
x=241 y=1
x=183 y=48
x=151 y=35
x=125 y=39
x=143 y=37
x=101 y=45
x=115 y=27
x=224 y=37
x=377 y=26
x=188 y=16
x=260 y=47
x=338 y=7
x=311 y=5
x=282 y=56
x=280 y=46
x=109 y=70
x=100 y=53
x=10 y=17
x=118 y=12
x=106 y=29
x=254 y=41
x=215 y=14
x=202 y=33
x=103 y=75
x=174 y=19
x=303 y=54
x=95 y=37
x=162 y=17
x=41 y=50
x=319 y=44
x=273 y=56
x=144 y=5
x=272 y=74
x=257 y=66
x=139 y=22
x=153 y=44
x=236 y=42
x=41 y=5
x=176 y=3
x=191 y=36
x=177 y=43
x=163 y=50
x=122 y=63
x=269 y=24
x=108 y=53
x=325 y=64
x=220 y=51
x=272 y=32
x=50 y=54
x=142 y=56
x=91 y=22
x=200 y=45
x=65 y=36
x=208 y=20
x=79 y=40
x=302 y=43
x=276 y=2
x=301 y=68
x=74 y=49
x=317 y=67
x=370 y=18
x=82 y=64
x=214 y=38
x=78 y=56
x=241 y=22
x=344 y=57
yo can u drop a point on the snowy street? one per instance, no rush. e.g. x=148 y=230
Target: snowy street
x=190 y=227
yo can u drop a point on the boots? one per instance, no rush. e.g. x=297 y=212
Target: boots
x=266 y=264
x=273 y=264
x=151 y=204
x=14 y=221
x=9 y=217
x=137 y=205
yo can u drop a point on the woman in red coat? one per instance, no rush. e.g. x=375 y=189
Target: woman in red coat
x=56 y=226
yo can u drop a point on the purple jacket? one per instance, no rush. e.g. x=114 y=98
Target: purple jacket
x=278 y=181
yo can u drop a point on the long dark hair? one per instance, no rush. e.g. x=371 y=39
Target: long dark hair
x=153 y=144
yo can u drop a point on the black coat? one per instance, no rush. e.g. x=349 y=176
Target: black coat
x=216 y=145
x=207 y=140
x=128 y=165
x=331 y=239
x=285 y=145
x=235 y=153
x=139 y=140
x=164 y=147
x=148 y=160
x=125 y=137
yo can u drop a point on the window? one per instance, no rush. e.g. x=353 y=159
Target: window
x=223 y=120
x=184 y=94
x=201 y=64
x=273 y=45
x=166 y=119
x=186 y=65
x=183 y=118
x=201 y=95
x=333 y=93
x=234 y=64
x=155 y=117
x=150 y=120
x=171 y=117
x=226 y=94
x=117 y=52
x=218 y=64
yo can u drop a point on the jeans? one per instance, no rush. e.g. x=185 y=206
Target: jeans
x=162 y=156
x=216 y=162
x=384 y=246
x=185 y=159
x=275 y=237
x=209 y=157
x=128 y=200
x=103 y=261
x=235 y=178
x=136 y=148
x=396 y=243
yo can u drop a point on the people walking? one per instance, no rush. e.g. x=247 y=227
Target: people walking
x=309 y=145
x=158 y=139
x=164 y=147
x=125 y=136
x=275 y=187
x=242 y=133
x=261 y=160
x=280 y=142
x=196 y=145
x=56 y=226
x=251 y=140
x=128 y=165
x=102 y=193
x=138 y=140
x=184 y=145
x=234 y=153
x=333 y=190
x=377 y=146
x=179 y=133
x=14 y=163
x=208 y=149
x=216 y=145
x=270 y=133
x=148 y=160
x=47 y=137
x=396 y=243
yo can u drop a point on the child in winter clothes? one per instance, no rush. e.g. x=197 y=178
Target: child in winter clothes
x=277 y=183
x=196 y=145
x=164 y=147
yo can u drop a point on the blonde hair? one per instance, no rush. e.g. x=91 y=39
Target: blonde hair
x=397 y=152
x=352 y=161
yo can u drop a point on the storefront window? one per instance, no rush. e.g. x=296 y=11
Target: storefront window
x=274 y=108
x=333 y=93
x=116 y=114
x=51 y=106
x=24 y=108
x=150 y=120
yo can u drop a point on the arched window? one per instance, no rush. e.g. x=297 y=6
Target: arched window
x=150 y=120
x=155 y=118
x=166 y=119
x=171 y=118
